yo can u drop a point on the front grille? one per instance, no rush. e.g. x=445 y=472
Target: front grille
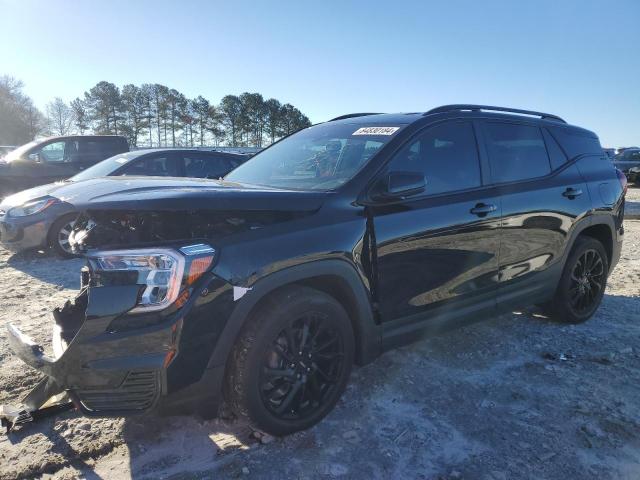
x=138 y=392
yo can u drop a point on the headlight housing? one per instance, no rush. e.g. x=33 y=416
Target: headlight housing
x=32 y=207
x=162 y=272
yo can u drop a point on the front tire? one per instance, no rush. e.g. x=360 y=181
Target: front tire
x=58 y=237
x=292 y=361
x=583 y=282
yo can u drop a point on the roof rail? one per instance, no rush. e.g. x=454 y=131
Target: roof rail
x=477 y=108
x=352 y=115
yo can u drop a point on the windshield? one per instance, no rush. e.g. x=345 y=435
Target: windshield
x=19 y=152
x=105 y=167
x=322 y=157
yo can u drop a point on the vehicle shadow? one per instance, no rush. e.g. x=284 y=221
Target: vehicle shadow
x=46 y=267
x=186 y=445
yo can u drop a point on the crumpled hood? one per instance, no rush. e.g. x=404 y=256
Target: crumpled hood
x=178 y=194
x=119 y=211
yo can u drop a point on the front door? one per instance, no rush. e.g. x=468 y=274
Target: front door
x=45 y=164
x=437 y=251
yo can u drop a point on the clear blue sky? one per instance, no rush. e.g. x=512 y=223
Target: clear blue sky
x=577 y=58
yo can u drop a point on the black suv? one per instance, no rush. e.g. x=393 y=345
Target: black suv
x=55 y=158
x=333 y=245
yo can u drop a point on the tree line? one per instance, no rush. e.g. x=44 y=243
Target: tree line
x=154 y=115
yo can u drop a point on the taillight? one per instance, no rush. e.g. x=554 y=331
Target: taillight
x=622 y=178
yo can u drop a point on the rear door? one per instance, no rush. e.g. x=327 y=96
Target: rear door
x=437 y=251
x=542 y=197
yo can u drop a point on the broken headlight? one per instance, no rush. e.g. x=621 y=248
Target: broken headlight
x=161 y=272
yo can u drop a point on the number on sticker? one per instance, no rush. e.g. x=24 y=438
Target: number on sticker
x=376 y=131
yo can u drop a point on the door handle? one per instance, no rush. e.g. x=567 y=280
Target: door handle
x=572 y=193
x=481 y=209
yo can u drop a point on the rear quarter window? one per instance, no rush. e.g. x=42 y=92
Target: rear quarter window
x=576 y=142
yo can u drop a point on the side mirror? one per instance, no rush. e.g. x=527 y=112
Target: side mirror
x=34 y=157
x=396 y=185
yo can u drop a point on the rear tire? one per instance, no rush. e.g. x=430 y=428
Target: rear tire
x=582 y=284
x=292 y=361
x=58 y=237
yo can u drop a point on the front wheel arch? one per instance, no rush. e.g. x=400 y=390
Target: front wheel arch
x=368 y=340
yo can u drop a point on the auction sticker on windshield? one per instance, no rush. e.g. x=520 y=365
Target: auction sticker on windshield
x=376 y=131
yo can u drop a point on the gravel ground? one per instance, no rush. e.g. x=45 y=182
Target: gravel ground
x=514 y=397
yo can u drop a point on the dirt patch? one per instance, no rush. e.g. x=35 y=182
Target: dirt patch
x=515 y=397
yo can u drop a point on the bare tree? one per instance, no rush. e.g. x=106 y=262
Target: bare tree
x=20 y=120
x=60 y=117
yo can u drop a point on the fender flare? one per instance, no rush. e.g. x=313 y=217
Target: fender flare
x=367 y=332
x=582 y=225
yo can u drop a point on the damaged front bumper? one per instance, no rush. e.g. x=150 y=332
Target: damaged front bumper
x=138 y=338
x=102 y=371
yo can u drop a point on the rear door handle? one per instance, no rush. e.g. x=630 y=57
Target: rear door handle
x=572 y=193
x=481 y=209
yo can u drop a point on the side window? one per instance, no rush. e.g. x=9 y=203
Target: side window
x=446 y=154
x=517 y=152
x=155 y=165
x=91 y=147
x=53 y=152
x=556 y=155
x=199 y=165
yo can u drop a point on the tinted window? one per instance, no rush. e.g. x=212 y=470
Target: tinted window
x=104 y=168
x=92 y=147
x=556 y=155
x=200 y=165
x=517 y=152
x=447 y=156
x=155 y=165
x=576 y=142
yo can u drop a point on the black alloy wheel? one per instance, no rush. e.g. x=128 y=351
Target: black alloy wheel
x=587 y=281
x=292 y=361
x=583 y=282
x=302 y=367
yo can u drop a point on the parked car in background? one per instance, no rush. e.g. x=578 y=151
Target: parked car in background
x=43 y=216
x=610 y=153
x=626 y=160
x=55 y=158
x=633 y=175
x=331 y=246
x=4 y=149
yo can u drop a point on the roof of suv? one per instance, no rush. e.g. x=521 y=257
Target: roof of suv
x=465 y=110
